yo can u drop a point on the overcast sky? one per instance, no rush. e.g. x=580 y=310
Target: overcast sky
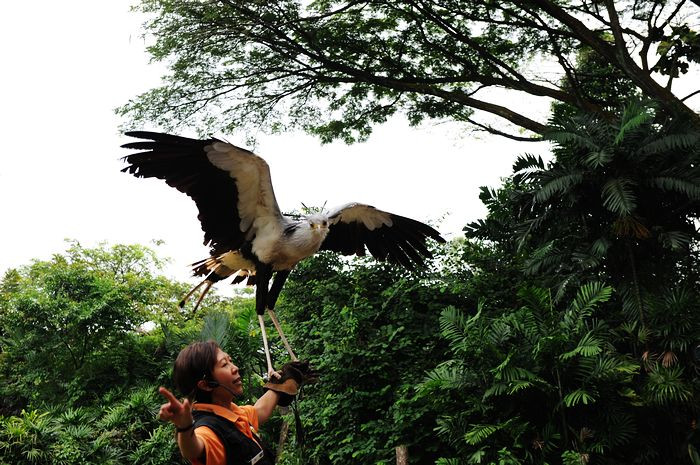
x=67 y=65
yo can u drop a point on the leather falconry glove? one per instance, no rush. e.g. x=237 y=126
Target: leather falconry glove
x=292 y=376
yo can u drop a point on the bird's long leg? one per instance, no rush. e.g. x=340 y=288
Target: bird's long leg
x=270 y=370
x=263 y=273
x=273 y=317
x=273 y=294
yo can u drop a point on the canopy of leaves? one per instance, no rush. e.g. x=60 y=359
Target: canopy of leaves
x=336 y=68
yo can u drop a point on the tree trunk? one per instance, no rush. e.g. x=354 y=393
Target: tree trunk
x=284 y=432
x=402 y=455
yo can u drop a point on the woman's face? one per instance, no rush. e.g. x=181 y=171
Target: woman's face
x=226 y=373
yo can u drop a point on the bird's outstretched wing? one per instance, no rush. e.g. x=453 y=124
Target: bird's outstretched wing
x=231 y=186
x=387 y=236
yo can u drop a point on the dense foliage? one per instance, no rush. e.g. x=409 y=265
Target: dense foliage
x=563 y=329
x=371 y=330
x=80 y=365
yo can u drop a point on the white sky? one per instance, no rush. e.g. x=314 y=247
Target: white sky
x=67 y=65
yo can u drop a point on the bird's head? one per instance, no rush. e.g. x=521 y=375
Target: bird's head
x=318 y=222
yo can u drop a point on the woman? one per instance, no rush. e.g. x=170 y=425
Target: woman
x=211 y=428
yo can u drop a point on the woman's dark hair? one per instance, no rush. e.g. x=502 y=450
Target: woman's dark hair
x=194 y=363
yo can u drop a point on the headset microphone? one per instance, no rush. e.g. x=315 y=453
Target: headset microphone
x=215 y=384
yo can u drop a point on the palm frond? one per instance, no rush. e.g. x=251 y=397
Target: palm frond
x=621 y=429
x=600 y=247
x=588 y=346
x=216 y=327
x=670 y=143
x=570 y=138
x=556 y=182
x=675 y=240
x=524 y=167
x=589 y=296
x=635 y=115
x=535 y=298
x=447 y=375
x=455 y=324
x=598 y=158
x=618 y=196
x=688 y=187
x=665 y=385
x=579 y=396
x=527 y=161
x=478 y=433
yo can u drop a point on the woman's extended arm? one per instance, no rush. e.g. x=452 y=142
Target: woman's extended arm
x=180 y=414
x=265 y=405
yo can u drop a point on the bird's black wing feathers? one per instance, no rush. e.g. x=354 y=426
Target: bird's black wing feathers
x=390 y=237
x=183 y=164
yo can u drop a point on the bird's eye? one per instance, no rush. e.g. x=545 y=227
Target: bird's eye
x=325 y=223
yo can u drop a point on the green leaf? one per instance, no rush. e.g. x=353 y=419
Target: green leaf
x=670 y=143
x=598 y=158
x=588 y=346
x=689 y=188
x=589 y=296
x=579 y=396
x=480 y=432
x=635 y=115
x=618 y=196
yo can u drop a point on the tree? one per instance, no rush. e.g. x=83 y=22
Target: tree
x=621 y=198
x=69 y=324
x=619 y=204
x=336 y=68
x=548 y=383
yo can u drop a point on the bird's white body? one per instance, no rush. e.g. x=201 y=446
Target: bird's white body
x=271 y=245
x=284 y=250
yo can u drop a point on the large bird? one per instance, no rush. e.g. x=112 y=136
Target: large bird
x=249 y=237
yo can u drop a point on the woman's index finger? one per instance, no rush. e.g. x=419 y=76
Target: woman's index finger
x=168 y=395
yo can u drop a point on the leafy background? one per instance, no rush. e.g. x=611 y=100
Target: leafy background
x=561 y=329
